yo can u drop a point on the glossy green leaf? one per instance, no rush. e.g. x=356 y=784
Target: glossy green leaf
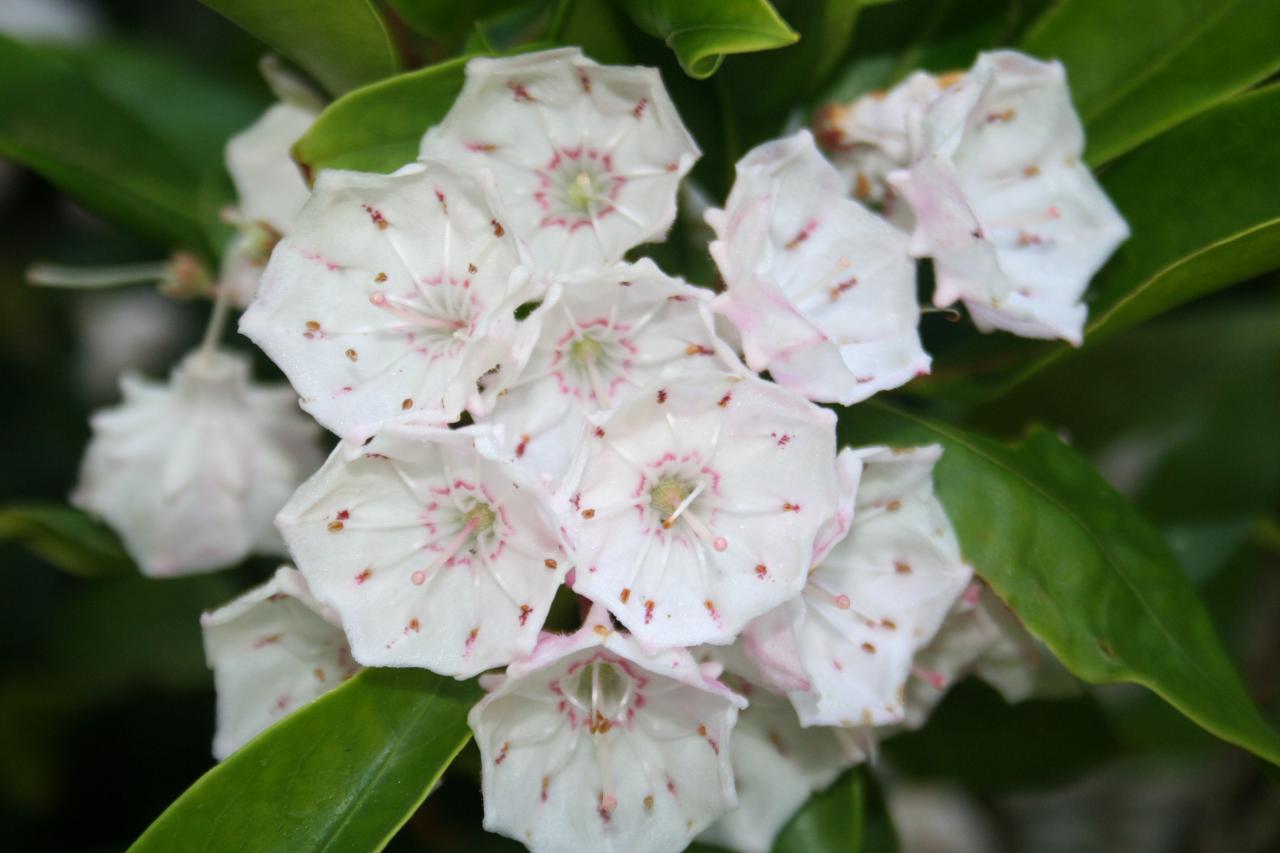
x=1202 y=206
x=341 y=43
x=830 y=821
x=764 y=89
x=379 y=128
x=1081 y=567
x=894 y=39
x=702 y=32
x=343 y=773
x=56 y=121
x=66 y=538
x=447 y=20
x=1137 y=69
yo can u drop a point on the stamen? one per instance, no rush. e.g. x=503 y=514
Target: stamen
x=840 y=600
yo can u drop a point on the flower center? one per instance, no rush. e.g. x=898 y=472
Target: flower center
x=478 y=518
x=585 y=350
x=604 y=691
x=668 y=494
x=581 y=192
x=577 y=185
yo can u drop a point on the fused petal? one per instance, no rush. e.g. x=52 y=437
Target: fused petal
x=589 y=157
x=594 y=744
x=434 y=551
x=1013 y=219
x=191 y=472
x=270 y=189
x=877 y=134
x=844 y=649
x=272 y=650
x=821 y=289
x=391 y=294
x=777 y=764
x=594 y=341
x=698 y=503
x=980 y=636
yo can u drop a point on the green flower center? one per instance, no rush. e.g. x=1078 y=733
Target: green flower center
x=667 y=495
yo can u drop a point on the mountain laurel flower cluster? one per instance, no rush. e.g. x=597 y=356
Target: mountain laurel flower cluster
x=528 y=416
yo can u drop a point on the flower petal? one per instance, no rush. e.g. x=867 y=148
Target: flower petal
x=698 y=505
x=593 y=744
x=1012 y=217
x=392 y=294
x=589 y=157
x=190 y=472
x=272 y=650
x=822 y=290
x=435 y=552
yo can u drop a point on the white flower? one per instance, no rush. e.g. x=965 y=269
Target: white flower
x=979 y=636
x=594 y=341
x=843 y=650
x=592 y=744
x=191 y=472
x=777 y=764
x=821 y=289
x=435 y=552
x=877 y=134
x=588 y=156
x=698 y=503
x=391 y=294
x=272 y=650
x=1013 y=219
x=271 y=191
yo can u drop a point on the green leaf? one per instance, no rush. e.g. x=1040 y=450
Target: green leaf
x=56 y=121
x=66 y=538
x=341 y=43
x=447 y=20
x=1081 y=567
x=378 y=128
x=933 y=35
x=831 y=821
x=1137 y=69
x=1201 y=203
x=343 y=773
x=702 y=32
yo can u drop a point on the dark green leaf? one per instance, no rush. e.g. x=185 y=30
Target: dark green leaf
x=830 y=821
x=1137 y=69
x=703 y=32
x=378 y=128
x=978 y=740
x=56 y=121
x=1201 y=204
x=1081 y=568
x=343 y=773
x=933 y=35
x=341 y=43
x=66 y=538
x=447 y=20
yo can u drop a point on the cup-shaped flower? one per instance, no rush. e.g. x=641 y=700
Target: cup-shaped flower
x=270 y=190
x=391 y=294
x=272 y=650
x=593 y=744
x=981 y=637
x=434 y=550
x=698 y=503
x=843 y=649
x=777 y=764
x=589 y=157
x=191 y=472
x=821 y=289
x=878 y=134
x=598 y=338
x=1013 y=219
